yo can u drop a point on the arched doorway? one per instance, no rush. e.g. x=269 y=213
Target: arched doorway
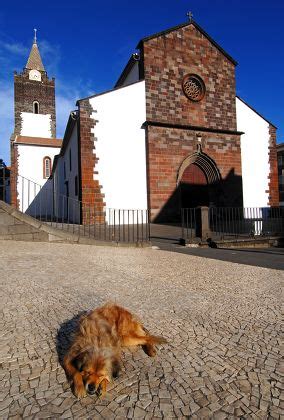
x=194 y=187
x=197 y=179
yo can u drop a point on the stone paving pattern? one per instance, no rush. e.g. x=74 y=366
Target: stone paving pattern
x=222 y=321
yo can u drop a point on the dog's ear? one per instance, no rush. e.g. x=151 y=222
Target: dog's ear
x=79 y=361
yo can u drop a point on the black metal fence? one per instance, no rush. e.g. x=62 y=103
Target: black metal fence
x=114 y=225
x=246 y=222
x=222 y=223
x=133 y=225
x=73 y=216
x=190 y=224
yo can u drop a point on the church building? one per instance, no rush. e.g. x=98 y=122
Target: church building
x=170 y=134
x=33 y=142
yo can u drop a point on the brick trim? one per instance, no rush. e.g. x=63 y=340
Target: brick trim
x=273 y=187
x=14 y=174
x=90 y=194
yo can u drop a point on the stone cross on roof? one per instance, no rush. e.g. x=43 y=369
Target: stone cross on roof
x=190 y=16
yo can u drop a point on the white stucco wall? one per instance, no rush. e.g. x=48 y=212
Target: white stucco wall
x=120 y=146
x=36 y=125
x=30 y=171
x=60 y=180
x=254 y=154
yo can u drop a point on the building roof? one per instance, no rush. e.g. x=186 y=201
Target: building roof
x=38 y=141
x=131 y=62
x=34 y=61
x=265 y=119
x=192 y=22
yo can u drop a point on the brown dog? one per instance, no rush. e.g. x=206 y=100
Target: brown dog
x=94 y=357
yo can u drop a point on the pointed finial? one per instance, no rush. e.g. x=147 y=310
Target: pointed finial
x=190 y=16
x=35 y=36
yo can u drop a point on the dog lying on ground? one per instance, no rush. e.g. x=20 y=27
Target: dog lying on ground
x=94 y=357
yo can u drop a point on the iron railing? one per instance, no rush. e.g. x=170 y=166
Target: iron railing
x=253 y=222
x=220 y=223
x=132 y=226
x=190 y=224
x=115 y=225
x=46 y=204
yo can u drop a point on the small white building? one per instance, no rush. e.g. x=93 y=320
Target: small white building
x=256 y=142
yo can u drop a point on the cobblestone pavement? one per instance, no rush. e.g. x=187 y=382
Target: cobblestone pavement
x=222 y=321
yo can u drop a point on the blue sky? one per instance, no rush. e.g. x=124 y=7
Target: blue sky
x=85 y=45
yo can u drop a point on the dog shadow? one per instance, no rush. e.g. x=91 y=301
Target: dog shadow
x=64 y=337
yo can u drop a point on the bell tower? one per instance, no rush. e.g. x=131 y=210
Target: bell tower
x=33 y=142
x=34 y=98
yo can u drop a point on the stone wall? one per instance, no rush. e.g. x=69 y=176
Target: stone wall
x=18 y=226
x=21 y=228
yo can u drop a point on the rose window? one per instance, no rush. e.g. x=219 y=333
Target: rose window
x=193 y=87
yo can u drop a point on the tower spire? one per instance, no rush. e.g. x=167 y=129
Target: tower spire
x=34 y=61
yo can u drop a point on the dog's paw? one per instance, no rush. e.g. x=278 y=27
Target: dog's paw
x=80 y=392
x=78 y=387
x=101 y=390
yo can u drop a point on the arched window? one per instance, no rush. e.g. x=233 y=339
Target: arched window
x=46 y=167
x=35 y=107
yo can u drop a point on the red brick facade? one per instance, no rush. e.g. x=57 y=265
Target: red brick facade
x=273 y=185
x=178 y=121
x=91 y=195
x=167 y=59
x=167 y=148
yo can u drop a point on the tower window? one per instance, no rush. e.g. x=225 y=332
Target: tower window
x=46 y=167
x=35 y=107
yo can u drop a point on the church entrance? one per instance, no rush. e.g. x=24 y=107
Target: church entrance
x=194 y=188
x=197 y=185
x=197 y=179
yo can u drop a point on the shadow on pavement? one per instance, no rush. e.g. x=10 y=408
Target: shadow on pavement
x=258 y=250
x=65 y=335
